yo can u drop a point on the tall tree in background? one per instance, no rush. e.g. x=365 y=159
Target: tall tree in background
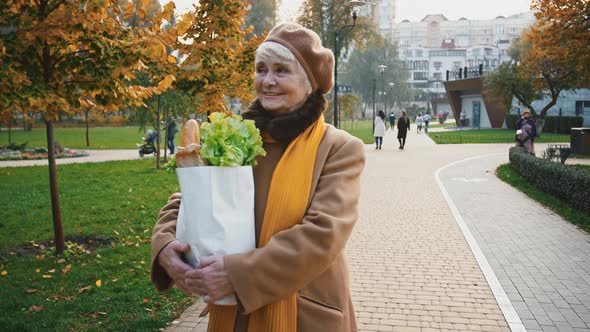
x=362 y=69
x=261 y=16
x=220 y=59
x=535 y=72
x=325 y=17
x=64 y=56
x=562 y=33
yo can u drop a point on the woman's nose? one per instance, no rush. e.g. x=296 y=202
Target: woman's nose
x=269 y=79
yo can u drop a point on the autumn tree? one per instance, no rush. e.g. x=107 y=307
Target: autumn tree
x=532 y=74
x=562 y=31
x=261 y=16
x=64 y=56
x=219 y=58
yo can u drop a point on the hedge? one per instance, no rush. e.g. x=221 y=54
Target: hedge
x=553 y=124
x=570 y=184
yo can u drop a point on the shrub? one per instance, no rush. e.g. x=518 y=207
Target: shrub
x=565 y=182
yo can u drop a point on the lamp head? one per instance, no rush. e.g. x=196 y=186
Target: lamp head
x=381 y=69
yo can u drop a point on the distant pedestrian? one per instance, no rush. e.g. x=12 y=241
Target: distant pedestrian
x=419 y=120
x=526 y=132
x=379 y=129
x=391 y=121
x=426 y=118
x=403 y=125
x=170 y=133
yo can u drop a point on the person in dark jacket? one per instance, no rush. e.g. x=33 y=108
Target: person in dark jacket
x=528 y=131
x=403 y=125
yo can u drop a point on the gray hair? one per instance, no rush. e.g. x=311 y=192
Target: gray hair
x=271 y=49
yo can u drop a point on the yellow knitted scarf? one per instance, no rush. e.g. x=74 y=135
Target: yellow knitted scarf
x=285 y=207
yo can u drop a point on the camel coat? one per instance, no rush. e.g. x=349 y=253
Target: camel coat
x=309 y=258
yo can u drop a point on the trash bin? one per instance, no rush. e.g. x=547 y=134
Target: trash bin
x=580 y=140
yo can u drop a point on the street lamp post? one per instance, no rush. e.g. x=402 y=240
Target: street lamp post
x=352 y=3
x=381 y=72
x=391 y=85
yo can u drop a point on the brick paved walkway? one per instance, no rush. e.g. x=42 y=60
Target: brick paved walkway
x=542 y=262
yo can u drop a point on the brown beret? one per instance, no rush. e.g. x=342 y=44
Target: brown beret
x=317 y=61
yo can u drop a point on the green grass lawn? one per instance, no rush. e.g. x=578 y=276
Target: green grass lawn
x=75 y=138
x=362 y=129
x=117 y=200
x=489 y=136
x=507 y=174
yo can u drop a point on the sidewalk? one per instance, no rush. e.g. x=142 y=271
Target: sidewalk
x=94 y=156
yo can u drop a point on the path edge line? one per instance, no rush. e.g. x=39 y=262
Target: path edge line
x=512 y=318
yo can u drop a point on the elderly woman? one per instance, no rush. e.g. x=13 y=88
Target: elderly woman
x=306 y=204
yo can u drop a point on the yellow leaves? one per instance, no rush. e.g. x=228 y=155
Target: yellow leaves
x=98 y=283
x=46 y=276
x=37 y=270
x=4 y=273
x=172 y=59
x=183 y=26
x=67 y=269
x=31 y=291
x=157 y=52
x=166 y=83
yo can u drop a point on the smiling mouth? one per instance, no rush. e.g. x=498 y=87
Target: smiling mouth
x=271 y=94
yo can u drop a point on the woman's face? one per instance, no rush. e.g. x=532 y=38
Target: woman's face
x=280 y=86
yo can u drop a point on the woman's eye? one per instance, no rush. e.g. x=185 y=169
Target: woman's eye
x=282 y=70
x=260 y=70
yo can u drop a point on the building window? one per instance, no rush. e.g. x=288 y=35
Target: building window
x=418 y=53
x=437 y=76
x=437 y=65
x=408 y=53
x=420 y=76
x=456 y=64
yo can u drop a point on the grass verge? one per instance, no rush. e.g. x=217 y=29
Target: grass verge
x=489 y=136
x=507 y=174
x=107 y=288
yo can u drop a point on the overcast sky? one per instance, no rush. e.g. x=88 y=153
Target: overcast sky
x=415 y=10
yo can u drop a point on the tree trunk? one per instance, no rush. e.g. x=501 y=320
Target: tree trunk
x=166 y=139
x=9 y=130
x=86 y=120
x=159 y=136
x=55 y=207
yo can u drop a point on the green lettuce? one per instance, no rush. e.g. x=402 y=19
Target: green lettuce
x=229 y=140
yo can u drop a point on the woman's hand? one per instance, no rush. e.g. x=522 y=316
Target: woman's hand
x=170 y=258
x=210 y=279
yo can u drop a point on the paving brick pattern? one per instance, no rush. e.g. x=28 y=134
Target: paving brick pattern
x=542 y=262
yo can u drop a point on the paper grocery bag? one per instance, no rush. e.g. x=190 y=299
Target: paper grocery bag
x=216 y=213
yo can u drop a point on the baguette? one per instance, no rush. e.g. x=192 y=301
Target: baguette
x=188 y=154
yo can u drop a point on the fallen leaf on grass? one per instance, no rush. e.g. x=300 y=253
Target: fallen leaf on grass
x=97 y=314
x=98 y=283
x=4 y=272
x=84 y=289
x=61 y=260
x=67 y=269
x=144 y=301
x=35 y=308
x=31 y=291
x=51 y=271
x=46 y=276
x=37 y=270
